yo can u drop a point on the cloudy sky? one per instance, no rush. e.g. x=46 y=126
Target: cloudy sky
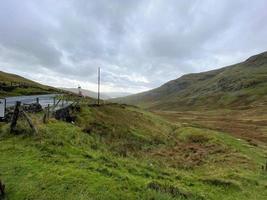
x=139 y=44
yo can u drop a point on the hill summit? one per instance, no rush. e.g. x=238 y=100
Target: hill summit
x=240 y=85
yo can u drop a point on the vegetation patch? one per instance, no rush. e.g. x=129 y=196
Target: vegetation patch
x=124 y=129
x=189 y=150
x=200 y=139
x=173 y=191
x=227 y=184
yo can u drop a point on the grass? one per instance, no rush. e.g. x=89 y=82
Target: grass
x=122 y=152
x=21 y=86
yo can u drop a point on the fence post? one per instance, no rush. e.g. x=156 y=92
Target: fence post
x=44 y=117
x=15 y=116
x=48 y=110
x=37 y=100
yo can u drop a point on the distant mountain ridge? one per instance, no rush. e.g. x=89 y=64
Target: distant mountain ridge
x=240 y=85
x=24 y=86
x=92 y=94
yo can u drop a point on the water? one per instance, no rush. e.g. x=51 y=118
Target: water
x=44 y=100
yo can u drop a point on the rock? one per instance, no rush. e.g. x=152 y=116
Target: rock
x=33 y=108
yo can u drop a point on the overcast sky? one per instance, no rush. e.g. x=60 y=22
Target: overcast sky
x=139 y=45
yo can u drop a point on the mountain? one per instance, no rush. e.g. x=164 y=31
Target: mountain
x=14 y=85
x=8 y=77
x=87 y=93
x=103 y=95
x=117 y=94
x=240 y=85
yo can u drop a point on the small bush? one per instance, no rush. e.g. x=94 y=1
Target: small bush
x=223 y=183
x=201 y=139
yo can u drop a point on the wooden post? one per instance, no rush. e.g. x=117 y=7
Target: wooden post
x=57 y=103
x=15 y=116
x=54 y=101
x=48 y=110
x=29 y=122
x=44 y=118
x=37 y=100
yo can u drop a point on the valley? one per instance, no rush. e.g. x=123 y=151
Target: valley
x=157 y=148
x=117 y=151
x=133 y=100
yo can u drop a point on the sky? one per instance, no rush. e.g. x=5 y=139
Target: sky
x=139 y=44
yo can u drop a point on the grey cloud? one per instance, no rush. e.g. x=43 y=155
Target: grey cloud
x=23 y=32
x=138 y=44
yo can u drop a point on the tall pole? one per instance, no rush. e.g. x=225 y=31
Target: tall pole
x=98 y=96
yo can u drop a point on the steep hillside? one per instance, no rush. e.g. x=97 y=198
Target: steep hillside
x=121 y=152
x=240 y=85
x=13 y=85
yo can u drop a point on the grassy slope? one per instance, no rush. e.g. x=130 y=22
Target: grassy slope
x=121 y=152
x=240 y=85
x=30 y=87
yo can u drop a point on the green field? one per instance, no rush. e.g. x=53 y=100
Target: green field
x=121 y=152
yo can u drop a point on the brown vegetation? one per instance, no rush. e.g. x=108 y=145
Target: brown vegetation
x=250 y=124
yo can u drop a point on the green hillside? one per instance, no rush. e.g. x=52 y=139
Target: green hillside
x=121 y=152
x=14 y=85
x=241 y=85
x=118 y=151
